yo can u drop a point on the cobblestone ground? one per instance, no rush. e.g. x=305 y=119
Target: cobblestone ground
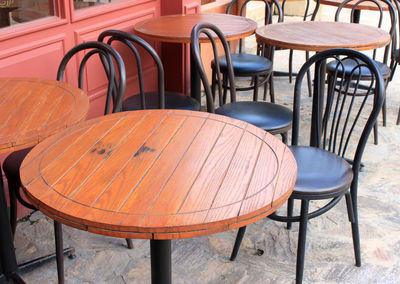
x=268 y=251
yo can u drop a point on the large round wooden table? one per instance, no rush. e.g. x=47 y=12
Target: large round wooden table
x=177 y=29
x=159 y=175
x=31 y=109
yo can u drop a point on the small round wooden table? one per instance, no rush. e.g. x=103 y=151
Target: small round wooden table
x=367 y=5
x=177 y=29
x=31 y=109
x=159 y=175
x=319 y=36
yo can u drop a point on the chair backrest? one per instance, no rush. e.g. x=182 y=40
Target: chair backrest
x=341 y=120
x=133 y=42
x=211 y=31
x=380 y=13
x=306 y=14
x=270 y=5
x=116 y=87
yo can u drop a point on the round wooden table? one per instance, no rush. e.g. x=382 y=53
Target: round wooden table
x=319 y=36
x=32 y=109
x=159 y=175
x=177 y=29
x=367 y=5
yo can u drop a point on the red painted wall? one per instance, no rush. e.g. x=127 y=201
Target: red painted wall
x=34 y=49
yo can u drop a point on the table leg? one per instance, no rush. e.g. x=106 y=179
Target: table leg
x=195 y=86
x=7 y=254
x=160 y=251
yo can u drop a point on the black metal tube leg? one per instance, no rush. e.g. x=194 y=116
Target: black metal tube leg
x=129 y=243
x=13 y=208
x=376 y=133
x=290 y=65
x=398 y=117
x=160 y=251
x=355 y=231
x=301 y=246
x=290 y=205
x=238 y=242
x=195 y=86
x=59 y=251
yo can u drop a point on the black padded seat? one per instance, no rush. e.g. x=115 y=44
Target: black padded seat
x=12 y=164
x=349 y=64
x=268 y=116
x=172 y=101
x=245 y=64
x=320 y=172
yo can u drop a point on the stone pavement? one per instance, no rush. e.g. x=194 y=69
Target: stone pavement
x=268 y=251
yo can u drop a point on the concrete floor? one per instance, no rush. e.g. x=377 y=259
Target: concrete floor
x=268 y=252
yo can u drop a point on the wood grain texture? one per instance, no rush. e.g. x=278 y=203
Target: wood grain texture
x=160 y=174
x=367 y=5
x=32 y=109
x=319 y=36
x=177 y=28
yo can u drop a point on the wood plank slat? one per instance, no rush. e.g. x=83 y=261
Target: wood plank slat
x=177 y=174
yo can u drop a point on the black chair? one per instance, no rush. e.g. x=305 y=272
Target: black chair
x=388 y=50
x=115 y=91
x=328 y=168
x=268 y=116
x=250 y=65
x=148 y=100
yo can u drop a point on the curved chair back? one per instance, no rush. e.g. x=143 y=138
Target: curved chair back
x=340 y=118
x=116 y=87
x=392 y=12
x=211 y=31
x=132 y=42
x=269 y=11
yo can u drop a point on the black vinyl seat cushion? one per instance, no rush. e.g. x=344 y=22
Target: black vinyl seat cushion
x=13 y=163
x=320 y=172
x=245 y=64
x=172 y=101
x=349 y=64
x=268 y=116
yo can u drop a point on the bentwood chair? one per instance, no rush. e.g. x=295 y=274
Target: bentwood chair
x=147 y=100
x=271 y=117
x=115 y=73
x=250 y=65
x=388 y=53
x=328 y=169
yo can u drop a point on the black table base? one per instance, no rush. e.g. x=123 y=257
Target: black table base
x=160 y=251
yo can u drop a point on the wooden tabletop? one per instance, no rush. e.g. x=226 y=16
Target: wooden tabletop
x=32 y=109
x=319 y=36
x=159 y=174
x=177 y=28
x=366 y=5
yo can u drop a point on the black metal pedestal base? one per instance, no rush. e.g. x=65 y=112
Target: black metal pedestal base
x=160 y=251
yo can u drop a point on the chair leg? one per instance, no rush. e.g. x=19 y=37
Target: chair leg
x=59 y=251
x=376 y=133
x=398 y=117
x=301 y=246
x=129 y=243
x=309 y=82
x=225 y=87
x=353 y=218
x=255 y=90
x=384 y=112
x=238 y=241
x=13 y=207
x=284 y=137
x=213 y=84
x=271 y=88
x=290 y=205
x=290 y=65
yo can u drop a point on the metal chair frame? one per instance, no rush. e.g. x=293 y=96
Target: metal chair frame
x=331 y=129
